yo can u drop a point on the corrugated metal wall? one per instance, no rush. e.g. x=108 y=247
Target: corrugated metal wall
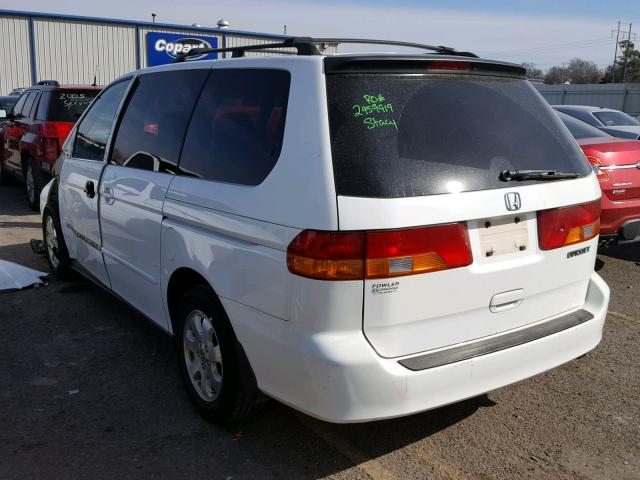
x=77 y=49
x=15 y=55
x=619 y=96
x=75 y=52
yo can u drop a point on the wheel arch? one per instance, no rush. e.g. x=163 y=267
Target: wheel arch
x=180 y=281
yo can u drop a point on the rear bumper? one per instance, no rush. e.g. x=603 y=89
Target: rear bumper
x=339 y=377
x=619 y=220
x=628 y=232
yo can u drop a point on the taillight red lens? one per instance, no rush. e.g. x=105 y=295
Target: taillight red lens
x=559 y=227
x=327 y=255
x=379 y=254
x=50 y=149
x=56 y=129
x=596 y=166
x=53 y=136
x=395 y=253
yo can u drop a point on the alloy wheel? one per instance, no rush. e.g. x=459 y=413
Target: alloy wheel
x=202 y=354
x=51 y=239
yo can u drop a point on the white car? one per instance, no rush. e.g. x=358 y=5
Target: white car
x=614 y=122
x=360 y=236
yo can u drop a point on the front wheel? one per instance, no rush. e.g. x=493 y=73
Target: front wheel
x=56 y=250
x=213 y=366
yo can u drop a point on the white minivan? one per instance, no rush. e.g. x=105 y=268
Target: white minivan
x=359 y=236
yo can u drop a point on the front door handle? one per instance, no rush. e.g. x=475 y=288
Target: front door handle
x=90 y=189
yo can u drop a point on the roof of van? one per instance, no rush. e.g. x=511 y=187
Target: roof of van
x=396 y=62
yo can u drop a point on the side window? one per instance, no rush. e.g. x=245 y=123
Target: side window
x=42 y=106
x=94 y=129
x=237 y=128
x=17 y=109
x=152 y=128
x=28 y=105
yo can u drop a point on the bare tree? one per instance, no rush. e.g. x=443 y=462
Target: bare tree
x=583 y=71
x=577 y=71
x=556 y=75
x=532 y=71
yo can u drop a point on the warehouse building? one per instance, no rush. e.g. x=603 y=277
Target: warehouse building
x=84 y=50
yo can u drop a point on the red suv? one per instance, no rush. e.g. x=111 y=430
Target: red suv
x=36 y=129
x=616 y=162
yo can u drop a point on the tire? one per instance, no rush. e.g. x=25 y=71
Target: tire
x=33 y=185
x=212 y=363
x=55 y=248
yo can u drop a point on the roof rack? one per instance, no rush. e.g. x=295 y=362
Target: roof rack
x=309 y=46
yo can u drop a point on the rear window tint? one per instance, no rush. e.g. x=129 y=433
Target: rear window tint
x=413 y=135
x=153 y=125
x=68 y=106
x=580 y=129
x=617 y=119
x=237 y=128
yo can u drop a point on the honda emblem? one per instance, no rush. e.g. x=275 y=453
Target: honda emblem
x=512 y=201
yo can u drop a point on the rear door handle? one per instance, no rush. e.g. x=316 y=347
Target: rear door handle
x=90 y=189
x=506 y=300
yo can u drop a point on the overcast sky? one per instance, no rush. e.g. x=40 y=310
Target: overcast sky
x=546 y=32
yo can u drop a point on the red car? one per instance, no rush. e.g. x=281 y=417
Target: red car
x=35 y=130
x=616 y=162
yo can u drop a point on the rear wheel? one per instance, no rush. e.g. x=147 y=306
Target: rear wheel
x=56 y=250
x=33 y=184
x=212 y=363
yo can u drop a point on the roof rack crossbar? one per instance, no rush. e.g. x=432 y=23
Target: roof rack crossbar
x=441 y=49
x=309 y=46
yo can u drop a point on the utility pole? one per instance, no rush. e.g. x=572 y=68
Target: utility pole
x=285 y=29
x=615 y=56
x=624 y=67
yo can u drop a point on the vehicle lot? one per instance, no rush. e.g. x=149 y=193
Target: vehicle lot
x=90 y=390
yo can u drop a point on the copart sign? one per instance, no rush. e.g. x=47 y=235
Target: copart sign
x=165 y=47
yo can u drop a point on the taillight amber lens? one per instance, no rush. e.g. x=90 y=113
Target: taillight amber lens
x=559 y=227
x=327 y=255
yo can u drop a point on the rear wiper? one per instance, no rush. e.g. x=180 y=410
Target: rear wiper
x=542 y=175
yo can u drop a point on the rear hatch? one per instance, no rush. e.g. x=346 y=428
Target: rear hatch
x=454 y=253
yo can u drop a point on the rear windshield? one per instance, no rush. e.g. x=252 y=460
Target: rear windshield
x=67 y=106
x=412 y=135
x=616 y=119
x=580 y=129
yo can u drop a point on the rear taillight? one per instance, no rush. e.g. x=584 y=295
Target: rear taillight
x=596 y=166
x=56 y=129
x=394 y=253
x=327 y=255
x=559 y=227
x=379 y=254
x=53 y=135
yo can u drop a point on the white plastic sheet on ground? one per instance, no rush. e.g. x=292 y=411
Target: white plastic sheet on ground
x=16 y=277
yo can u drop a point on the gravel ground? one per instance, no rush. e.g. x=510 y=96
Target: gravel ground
x=88 y=389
